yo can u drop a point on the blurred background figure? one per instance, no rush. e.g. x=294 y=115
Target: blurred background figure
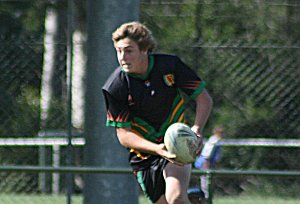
x=209 y=156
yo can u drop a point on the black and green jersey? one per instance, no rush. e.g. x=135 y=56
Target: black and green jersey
x=150 y=104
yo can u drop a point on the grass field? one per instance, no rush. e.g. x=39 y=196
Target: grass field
x=61 y=199
x=245 y=200
x=254 y=200
x=37 y=199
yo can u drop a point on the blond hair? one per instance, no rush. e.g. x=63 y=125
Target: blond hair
x=137 y=32
x=218 y=130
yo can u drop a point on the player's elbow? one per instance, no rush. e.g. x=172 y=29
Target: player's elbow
x=205 y=100
x=209 y=99
x=209 y=102
x=122 y=135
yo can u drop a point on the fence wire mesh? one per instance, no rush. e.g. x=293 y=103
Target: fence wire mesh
x=253 y=74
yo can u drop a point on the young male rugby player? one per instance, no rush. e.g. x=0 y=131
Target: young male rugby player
x=143 y=98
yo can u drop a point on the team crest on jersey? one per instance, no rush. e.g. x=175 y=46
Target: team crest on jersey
x=169 y=79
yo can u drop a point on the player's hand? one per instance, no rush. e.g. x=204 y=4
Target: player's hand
x=174 y=162
x=199 y=144
x=163 y=152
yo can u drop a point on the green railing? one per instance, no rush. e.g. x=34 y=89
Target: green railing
x=101 y=170
x=62 y=141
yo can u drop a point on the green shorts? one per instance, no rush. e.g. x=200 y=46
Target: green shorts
x=151 y=180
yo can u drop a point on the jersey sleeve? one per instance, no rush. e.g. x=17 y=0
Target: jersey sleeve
x=187 y=80
x=116 y=100
x=118 y=114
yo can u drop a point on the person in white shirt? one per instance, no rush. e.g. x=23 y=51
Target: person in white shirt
x=210 y=155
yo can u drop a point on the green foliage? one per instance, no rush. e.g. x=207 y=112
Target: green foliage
x=21 y=114
x=57 y=115
x=177 y=25
x=23 y=16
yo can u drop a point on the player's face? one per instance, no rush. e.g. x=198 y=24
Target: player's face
x=130 y=57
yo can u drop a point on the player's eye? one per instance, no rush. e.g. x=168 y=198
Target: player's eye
x=128 y=51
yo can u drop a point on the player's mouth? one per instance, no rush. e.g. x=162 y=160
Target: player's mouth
x=125 y=65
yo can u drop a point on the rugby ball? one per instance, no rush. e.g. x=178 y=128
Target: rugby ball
x=180 y=140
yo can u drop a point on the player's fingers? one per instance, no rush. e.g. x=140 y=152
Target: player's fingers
x=199 y=145
x=178 y=163
x=164 y=152
x=174 y=162
x=170 y=155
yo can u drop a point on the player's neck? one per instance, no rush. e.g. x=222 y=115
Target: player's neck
x=144 y=66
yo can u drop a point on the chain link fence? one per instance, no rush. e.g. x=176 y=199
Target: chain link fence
x=253 y=76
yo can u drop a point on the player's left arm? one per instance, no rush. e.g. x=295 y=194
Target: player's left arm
x=204 y=105
x=191 y=84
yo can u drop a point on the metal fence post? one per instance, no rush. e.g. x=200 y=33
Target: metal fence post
x=102 y=148
x=69 y=158
x=55 y=163
x=210 y=187
x=42 y=175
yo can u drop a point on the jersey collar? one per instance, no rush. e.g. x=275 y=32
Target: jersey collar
x=150 y=67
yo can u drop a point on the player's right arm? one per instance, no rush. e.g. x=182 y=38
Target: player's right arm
x=131 y=140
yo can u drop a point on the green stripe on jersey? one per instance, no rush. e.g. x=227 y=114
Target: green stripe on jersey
x=198 y=90
x=148 y=132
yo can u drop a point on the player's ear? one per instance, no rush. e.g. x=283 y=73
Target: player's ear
x=144 y=52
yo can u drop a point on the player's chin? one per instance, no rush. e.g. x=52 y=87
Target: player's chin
x=126 y=67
